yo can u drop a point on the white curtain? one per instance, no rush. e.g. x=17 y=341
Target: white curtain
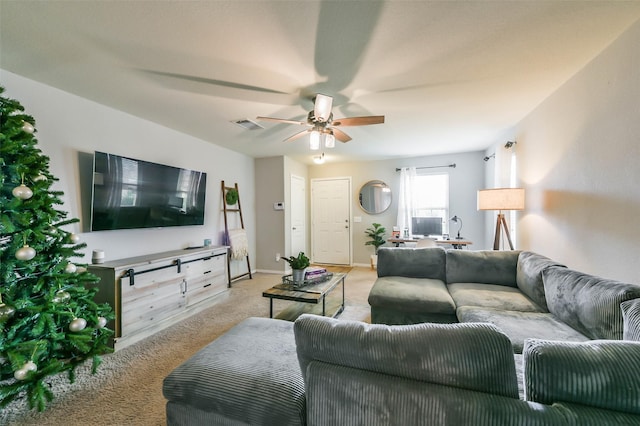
x=405 y=198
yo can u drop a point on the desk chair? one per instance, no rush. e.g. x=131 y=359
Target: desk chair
x=426 y=242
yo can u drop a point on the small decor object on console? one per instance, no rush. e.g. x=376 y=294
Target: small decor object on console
x=298 y=265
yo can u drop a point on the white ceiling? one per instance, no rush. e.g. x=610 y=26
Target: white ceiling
x=450 y=76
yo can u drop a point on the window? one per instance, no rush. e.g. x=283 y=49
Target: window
x=431 y=197
x=422 y=195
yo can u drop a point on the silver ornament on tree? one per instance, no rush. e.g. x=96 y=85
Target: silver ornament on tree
x=70 y=268
x=22 y=191
x=78 y=324
x=20 y=374
x=6 y=312
x=25 y=253
x=61 y=297
x=74 y=238
x=30 y=366
x=39 y=178
x=27 y=127
x=102 y=322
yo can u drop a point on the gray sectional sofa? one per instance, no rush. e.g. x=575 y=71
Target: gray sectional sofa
x=524 y=294
x=453 y=364
x=324 y=371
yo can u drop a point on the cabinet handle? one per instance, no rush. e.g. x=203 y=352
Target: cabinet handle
x=206 y=272
x=206 y=285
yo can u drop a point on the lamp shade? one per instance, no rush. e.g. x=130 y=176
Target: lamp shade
x=501 y=199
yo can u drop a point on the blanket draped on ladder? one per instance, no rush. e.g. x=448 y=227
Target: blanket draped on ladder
x=239 y=243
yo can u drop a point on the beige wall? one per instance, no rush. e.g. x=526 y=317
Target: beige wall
x=579 y=155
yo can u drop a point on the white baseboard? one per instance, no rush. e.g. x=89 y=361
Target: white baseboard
x=270 y=271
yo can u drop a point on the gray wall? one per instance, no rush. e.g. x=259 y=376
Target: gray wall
x=270 y=189
x=465 y=180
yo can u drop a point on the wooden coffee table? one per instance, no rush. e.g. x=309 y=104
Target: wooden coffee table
x=320 y=298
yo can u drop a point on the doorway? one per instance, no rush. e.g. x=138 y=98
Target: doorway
x=331 y=221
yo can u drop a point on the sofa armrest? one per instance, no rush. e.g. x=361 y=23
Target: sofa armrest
x=600 y=373
x=468 y=356
x=631 y=318
x=529 y=275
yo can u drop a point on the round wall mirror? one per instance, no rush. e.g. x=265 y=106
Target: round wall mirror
x=375 y=197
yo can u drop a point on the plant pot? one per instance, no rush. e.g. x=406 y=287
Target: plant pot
x=374 y=261
x=298 y=276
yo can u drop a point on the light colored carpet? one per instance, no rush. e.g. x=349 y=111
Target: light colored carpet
x=127 y=390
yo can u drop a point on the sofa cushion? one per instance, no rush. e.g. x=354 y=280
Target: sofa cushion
x=343 y=396
x=412 y=295
x=588 y=303
x=631 y=319
x=249 y=374
x=520 y=326
x=484 y=266
x=491 y=296
x=599 y=373
x=529 y=276
x=412 y=263
x=468 y=356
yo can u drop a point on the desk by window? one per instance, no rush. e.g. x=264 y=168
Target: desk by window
x=457 y=244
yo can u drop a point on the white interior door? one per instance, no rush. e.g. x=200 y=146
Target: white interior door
x=298 y=215
x=331 y=221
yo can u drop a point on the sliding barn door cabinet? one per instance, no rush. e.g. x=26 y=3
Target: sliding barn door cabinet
x=149 y=293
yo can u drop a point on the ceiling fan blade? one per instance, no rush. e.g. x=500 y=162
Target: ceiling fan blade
x=297 y=135
x=341 y=136
x=224 y=83
x=358 y=121
x=281 y=120
x=322 y=107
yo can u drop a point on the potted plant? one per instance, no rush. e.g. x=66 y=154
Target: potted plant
x=376 y=234
x=298 y=264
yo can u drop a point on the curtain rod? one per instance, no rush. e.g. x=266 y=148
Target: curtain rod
x=453 y=165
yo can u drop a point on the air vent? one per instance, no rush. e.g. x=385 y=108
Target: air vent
x=248 y=124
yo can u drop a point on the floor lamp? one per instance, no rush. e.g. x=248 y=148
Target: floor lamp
x=501 y=199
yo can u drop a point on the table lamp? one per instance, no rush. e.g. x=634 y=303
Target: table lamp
x=501 y=199
x=457 y=219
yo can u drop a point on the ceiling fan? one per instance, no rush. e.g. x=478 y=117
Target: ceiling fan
x=321 y=122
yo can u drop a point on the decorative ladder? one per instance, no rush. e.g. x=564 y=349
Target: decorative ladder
x=238 y=210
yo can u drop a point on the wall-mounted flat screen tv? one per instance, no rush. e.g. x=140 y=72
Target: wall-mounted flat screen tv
x=130 y=194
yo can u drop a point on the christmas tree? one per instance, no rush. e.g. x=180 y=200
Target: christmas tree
x=49 y=322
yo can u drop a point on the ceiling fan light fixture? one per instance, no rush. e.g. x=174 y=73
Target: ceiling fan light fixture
x=329 y=140
x=322 y=107
x=314 y=140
